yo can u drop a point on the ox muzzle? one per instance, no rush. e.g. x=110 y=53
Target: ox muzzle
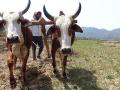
x=14 y=39
x=67 y=51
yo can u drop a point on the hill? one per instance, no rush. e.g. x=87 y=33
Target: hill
x=102 y=34
x=95 y=33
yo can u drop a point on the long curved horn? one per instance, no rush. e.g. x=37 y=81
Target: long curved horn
x=77 y=12
x=47 y=14
x=26 y=9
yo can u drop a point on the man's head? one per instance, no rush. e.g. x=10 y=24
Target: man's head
x=37 y=15
x=61 y=13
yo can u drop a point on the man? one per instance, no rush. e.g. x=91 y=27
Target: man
x=61 y=13
x=37 y=31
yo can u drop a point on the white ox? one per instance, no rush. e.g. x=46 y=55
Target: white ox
x=63 y=32
x=18 y=40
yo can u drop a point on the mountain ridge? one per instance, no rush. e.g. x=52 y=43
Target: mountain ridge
x=102 y=34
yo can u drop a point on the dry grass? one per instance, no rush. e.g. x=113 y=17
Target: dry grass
x=93 y=66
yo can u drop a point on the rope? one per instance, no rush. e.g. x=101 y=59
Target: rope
x=35 y=44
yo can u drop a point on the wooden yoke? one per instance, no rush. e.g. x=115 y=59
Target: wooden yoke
x=41 y=22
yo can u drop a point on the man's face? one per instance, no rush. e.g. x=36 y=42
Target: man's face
x=38 y=15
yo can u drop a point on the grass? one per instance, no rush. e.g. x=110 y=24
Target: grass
x=95 y=65
x=101 y=60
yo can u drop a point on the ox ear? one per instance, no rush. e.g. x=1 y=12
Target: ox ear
x=24 y=21
x=1 y=23
x=51 y=30
x=77 y=28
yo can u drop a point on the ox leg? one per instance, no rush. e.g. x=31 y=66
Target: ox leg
x=53 y=60
x=24 y=62
x=10 y=63
x=64 y=63
x=15 y=60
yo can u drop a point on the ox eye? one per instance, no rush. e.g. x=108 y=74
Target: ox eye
x=18 y=21
x=58 y=32
x=4 y=22
x=70 y=30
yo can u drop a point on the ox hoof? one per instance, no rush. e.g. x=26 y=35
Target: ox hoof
x=23 y=79
x=24 y=82
x=65 y=76
x=55 y=71
x=12 y=82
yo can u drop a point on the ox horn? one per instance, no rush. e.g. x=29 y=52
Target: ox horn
x=26 y=9
x=50 y=17
x=77 y=12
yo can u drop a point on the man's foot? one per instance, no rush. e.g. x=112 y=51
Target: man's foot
x=34 y=58
x=38 y=57
x=49 y=57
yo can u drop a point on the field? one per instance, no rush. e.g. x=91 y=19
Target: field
x=94 y=65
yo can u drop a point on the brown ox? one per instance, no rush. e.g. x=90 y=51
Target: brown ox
x=18 y=40
x=63 y=34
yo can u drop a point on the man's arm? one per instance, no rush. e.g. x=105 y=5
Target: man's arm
x=41 y=21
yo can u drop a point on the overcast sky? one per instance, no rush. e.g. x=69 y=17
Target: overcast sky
x=94 y=13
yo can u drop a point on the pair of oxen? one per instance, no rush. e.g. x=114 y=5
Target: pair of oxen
x=19 y=38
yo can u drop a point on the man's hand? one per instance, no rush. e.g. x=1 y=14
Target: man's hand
x=42 y=21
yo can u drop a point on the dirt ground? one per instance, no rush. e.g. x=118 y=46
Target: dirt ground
x=111 y=43
x=37 y=74
x=94 y=66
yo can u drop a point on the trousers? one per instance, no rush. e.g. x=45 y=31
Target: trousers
x=38 y=41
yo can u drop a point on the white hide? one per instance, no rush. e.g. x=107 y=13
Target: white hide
x=12 y=27
x=63 y=22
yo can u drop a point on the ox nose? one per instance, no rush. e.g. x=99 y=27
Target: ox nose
x=66 y=51
x=13 y=39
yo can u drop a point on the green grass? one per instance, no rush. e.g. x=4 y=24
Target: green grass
x=97 y=65
x=93 y=66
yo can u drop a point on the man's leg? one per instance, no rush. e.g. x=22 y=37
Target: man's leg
x=40 y=44
x=34 y=47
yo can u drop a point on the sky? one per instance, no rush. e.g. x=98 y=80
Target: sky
x=94 y=13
